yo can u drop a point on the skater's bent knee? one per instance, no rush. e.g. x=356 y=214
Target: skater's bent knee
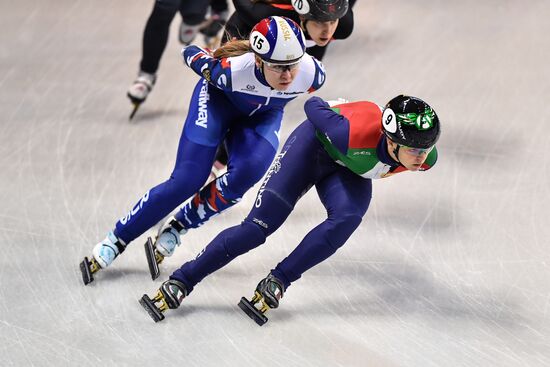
x=341 y=229
x=243 y=238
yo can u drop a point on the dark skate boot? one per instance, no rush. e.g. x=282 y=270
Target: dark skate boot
x=267 y=295
x=164 y=245
x=169 y=296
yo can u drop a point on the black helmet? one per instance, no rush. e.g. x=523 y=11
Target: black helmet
x=411 y=122
x=321 y=10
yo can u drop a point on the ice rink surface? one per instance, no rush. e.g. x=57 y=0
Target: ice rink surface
x=449 y=267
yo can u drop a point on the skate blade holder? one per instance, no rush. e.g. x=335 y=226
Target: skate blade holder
x=149 y=305
x=154 y=258
x=88 y=268
x=134 y=110
x=256 y=314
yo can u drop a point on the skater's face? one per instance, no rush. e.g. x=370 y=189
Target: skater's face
x=411 y=158
x=279 y=77
x=321 y=32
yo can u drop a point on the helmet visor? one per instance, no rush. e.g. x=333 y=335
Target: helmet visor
x=415 y=151
x=281 y=68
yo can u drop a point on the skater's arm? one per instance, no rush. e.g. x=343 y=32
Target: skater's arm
x=328 y=122
x=216 y=71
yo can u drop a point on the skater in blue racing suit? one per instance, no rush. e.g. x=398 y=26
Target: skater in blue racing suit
x=338 y=150
x=240 y=97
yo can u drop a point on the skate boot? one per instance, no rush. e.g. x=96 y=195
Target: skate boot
x=140 y=89
x=103 y=255
x=187 y=33
x=164 y=245
x=268 y=293
x=169 y=295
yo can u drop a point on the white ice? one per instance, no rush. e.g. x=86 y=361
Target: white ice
x=450 y=268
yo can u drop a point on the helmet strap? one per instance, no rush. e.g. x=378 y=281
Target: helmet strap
x=261 y=66
x=396 y=152
x=303 y=22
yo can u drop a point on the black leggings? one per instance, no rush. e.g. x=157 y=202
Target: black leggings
x=155 y=36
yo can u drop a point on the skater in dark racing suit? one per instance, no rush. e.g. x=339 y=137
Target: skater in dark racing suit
x=240 y=97
x=155 y=37
x=338 y=150
x=322 y=20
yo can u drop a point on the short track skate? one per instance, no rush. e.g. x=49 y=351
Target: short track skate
x=88 y=268
x=150 y=306
x=154 y=258
x=250 y=308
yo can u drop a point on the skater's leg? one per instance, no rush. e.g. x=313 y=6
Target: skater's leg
x=346 y=197
x=190 y=174
x=155 y=36
x=289 y=177
x=194 y=158
x=250 y=156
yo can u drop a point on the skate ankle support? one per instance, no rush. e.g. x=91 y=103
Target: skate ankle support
x=177 y=225
x=121 y=246
x=119 y=243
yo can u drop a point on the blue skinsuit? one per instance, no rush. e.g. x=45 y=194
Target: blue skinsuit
x=232 y=101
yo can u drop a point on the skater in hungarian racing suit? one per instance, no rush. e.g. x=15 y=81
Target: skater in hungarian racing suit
x=338 y=150
x=240 y=98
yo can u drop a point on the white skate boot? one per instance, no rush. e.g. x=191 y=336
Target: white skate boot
x=103 y=255
x=187 y=33
x=141 y=87
x=167 y=240
x=169 y=237
x=107 y=250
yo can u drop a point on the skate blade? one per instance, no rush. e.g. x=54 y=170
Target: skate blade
x=151 y=309
x=252 y=311
x=151 y=259
x=134 y=110
x=87 y=276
